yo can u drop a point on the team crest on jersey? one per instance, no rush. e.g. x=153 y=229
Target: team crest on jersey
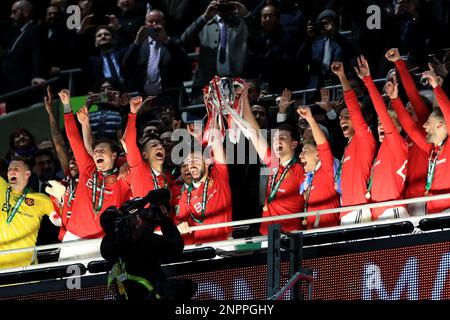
x=111 y=179
x=29 y=202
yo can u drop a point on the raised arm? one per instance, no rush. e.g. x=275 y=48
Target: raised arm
x=363 y=72
x=57 y=137
x=441 y=97
x=318 y=135
x=88 y=140
x=337 y=68
x=406 y=121
x=256 y=138
x=351 y=101
x=323 y=147
x=414 y=97
x=82 y=157
x=133 y=154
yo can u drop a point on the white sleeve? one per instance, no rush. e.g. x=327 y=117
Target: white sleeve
x=331 y=114
x=281 y=117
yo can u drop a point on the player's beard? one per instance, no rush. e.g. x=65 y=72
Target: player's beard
x=202 y=174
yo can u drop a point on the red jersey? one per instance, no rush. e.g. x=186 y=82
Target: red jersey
x=287 y=199
x=323 y=195
x=358 y=156
x=414 y=97
x=440 y=183
x=142 y=179
x=389 y=169
x=416 y=172
x=177 y=191
x=83 y=221
x=218 y=207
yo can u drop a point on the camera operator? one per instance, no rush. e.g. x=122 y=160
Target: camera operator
x=130 y=243
x=324 y=44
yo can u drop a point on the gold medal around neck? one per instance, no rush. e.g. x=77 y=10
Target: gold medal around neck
x=368 y=195
x=304 y=222
x=265 y=208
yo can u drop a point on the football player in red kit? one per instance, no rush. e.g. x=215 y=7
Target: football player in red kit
x=416 y=172
x=98 y=186
x=180 y=185
x=434 y=141
x=207 y=200
x=286 y=173
x=318 y=187
x=388 y=172
x=147 y=169
x=354 y=170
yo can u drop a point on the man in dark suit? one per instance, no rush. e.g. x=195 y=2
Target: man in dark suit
x=156 y=62
x=225 y=34
x=108 y=64
x=323 y=45
x=22 y=62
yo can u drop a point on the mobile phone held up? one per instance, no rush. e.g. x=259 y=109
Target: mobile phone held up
x=152 y=32
x=225 y=8
x=100 y=20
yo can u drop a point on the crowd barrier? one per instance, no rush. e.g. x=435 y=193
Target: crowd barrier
x=405 y=258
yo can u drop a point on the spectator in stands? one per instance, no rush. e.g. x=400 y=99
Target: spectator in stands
x=261 y=116
x=388 y=171
x=225 y=33
x=58 y=40
x=354 y=171
x=409 y=29
x=129 y=20
x=22 y=61
x=318 y=187
x=179 y=13
x=21 y=143
x=21 y=215
x=275 y=50
x=109 y=63
x=155 y=63
x=107 y=121
x=43 y=168
x=43 y=165
x=324 y=44
x=61 y=4
x=98 y=187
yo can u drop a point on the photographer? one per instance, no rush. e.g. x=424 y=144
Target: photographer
x=324 y=44
x=107 y=122
x=130 y=243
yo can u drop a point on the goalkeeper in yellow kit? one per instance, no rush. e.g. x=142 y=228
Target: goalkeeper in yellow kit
x=20 y=216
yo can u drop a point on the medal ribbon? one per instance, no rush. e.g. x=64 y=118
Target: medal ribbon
x=10 y=215
x=102 y=189
x=204 y=201
x=274 y=189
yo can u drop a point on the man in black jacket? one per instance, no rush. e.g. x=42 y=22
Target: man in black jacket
x=156 y=62
x=130 y=243
x=22 y=61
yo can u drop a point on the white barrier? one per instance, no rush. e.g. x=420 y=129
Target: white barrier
x=234 y=242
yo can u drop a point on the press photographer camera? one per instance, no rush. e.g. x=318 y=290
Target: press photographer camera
x=134 y=252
